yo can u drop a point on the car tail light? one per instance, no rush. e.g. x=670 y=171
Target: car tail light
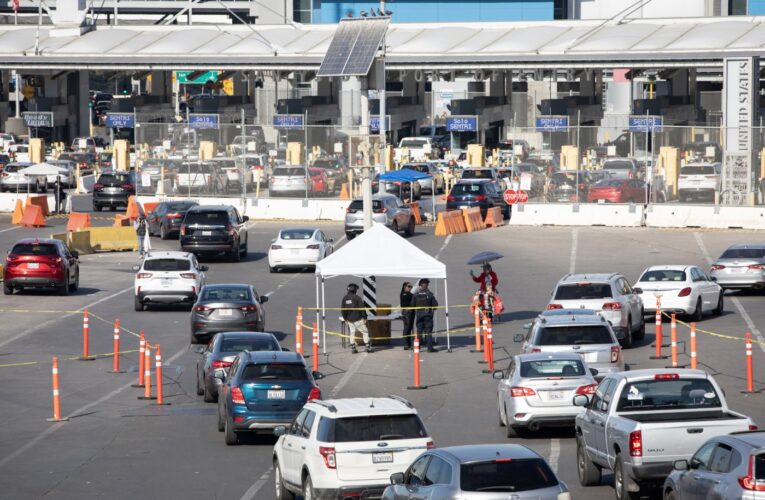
x=753 y=427
x=615 y=350
x=221 y=364
x=430 y=445
x=636 y=444
x=143 y=276
x=450 y=198
x=684 y=292
x=314 y=394
x=717 y=267
x=230 y=229
x=710 y=177
x=749 y=482
x=536 y=349
x=329 y=456
x=755 y=266
x=183 y=229
x=480 y=197
x=551 y=307
x=95 y=186
x=174 y=216
x=127 y=186
x=612 y=306
x=666 y=376
x=587 y=390
x=276 y=247
x=520 y=392
x=201 y=308
x=188 y=276
x=313 y=247
x=236 y=396
x=11 y=258
x=683 y=177
x=83 y=164
x=252 y=308
x=6 y=174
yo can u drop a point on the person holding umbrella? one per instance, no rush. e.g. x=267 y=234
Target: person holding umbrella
x=487 y=277
x=489 y=298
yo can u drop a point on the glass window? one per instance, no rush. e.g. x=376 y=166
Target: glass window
x=664 y=275
x=698 y=170
x=759 y=467
x=507 y=476
x=701 y=459
x=297 y=424
x=743 y=253
x=376 y=428
x=552 y=368
x=583 y=291
x=669 y=394
x=574 y=335
x=737 y=8
x=439 y=472
x=274 y=371
x=35 y=249
x=617 y=165
x=113 y=179
x=297 y=234
x=416 y=474
x=167 y=265
x=241 y=344
x=211 y=218
x=597 y=399
x=289 y=171
x=307 y=424
x=724 y=459
x=226 y=294
x=466 y=189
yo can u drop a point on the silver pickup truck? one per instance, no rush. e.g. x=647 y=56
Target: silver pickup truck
x=639 y=422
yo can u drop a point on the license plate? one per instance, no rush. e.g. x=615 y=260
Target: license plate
x=33 y=265
x=167 y=282
x=555 y=395
x=601 y=201
x=463 y=206
x=206 y=233
x=382 y=458
x=276 y=394
x=226 y=312
x=295 y=250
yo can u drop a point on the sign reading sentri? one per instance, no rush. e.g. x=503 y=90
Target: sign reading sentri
x=289 y=121
x=34 y=119
x=462 y=124
x=202 y=121
x=374 y=122
x=120 y=120
x=552 y=123
x=640 y=123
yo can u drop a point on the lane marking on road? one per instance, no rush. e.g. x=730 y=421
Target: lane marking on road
x=76 y=413
x=739 y=306
x=348 y=374
x=9 y=229
x=26 y=332
x=443 y=247
x=554 y=454
x=253 y=490
x=574 y=244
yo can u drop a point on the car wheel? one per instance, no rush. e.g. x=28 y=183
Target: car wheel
x=96 y=207
x=231 y=438
x=244 y=248
x=697 y=313
x=194 y=338
x=499 y=414
x=589 y=473
x=627 y=341
x=76 y=285
x=235 y=255
x=200 y=391
x=64 y=289
x=279 y=488
x=308 y=489
x=209 y=397
x=394 y=226
x=410 y=227
x=510 y=431
x=162 y=232
x=137 y=304
x=350 y=236
x=670 y=494
x=221 y=422
x=7 y=289
x=620 y=488
x=720 y=305
x=641 y=331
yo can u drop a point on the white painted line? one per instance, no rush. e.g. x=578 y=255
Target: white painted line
x=9 y=229
x=26 y=332
x=78 y=412
x=747 y=319
x=574 y=244
x=554 y=454
x=347 y=375
x=443 y=247
x=253 y=490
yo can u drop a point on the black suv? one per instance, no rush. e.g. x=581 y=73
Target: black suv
x=112 y=189
x=214 y=229
x=482 y=194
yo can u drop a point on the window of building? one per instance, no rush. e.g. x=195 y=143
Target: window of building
x=560 y=9
x=301 y=11
x=737 y=7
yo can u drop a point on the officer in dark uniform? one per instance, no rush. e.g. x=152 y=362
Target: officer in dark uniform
x=425 y=301
x=355 y=316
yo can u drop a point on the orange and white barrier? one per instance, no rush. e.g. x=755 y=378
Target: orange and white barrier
x=417 y=385
x=693 y=346
x=56 y=394
x=158 y=372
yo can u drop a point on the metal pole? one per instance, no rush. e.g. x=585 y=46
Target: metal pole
x=18 y=106
x=244 y=163
x=305 y=154
x=578 y=121
x=647 y=194
x=323 y=318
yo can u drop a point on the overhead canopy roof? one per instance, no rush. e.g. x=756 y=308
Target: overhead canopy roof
x=403 y=175
x=629 y=43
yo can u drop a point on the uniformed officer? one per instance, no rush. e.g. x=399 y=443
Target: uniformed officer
x=425 y=301
x=354 y=314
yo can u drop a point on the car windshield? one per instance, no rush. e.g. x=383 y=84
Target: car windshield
x=466 y=189
x=419 y=168
x=373 y=428
x=274 y=371
x=113 y=179
x=574 y=335
x=179 y=206
x=698 y=170
x=212 y=218
x=742 y=253
x=583 y=291
x=297 y=234
x=665 y=275
x=226 y=294
x=12 y=168
x=617 y=165
x=34 y=249
x=289 y=171
x=167 y=265
x=552 y=368
x=670 y=393
x=476 y=174
x=511 y=475
x=254 y=344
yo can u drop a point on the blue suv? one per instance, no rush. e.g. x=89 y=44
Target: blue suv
x=263 y=390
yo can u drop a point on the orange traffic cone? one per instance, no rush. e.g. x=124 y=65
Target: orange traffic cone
x=18 y=213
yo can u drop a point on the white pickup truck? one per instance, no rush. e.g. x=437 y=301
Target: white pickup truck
x=639 y=422
x=416 y=148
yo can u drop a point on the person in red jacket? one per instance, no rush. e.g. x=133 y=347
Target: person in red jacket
x=487 y=276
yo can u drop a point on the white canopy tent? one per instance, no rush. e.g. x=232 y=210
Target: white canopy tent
x=378 y=252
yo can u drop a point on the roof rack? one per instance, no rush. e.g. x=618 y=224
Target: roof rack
x=326 y=405
x=752 y=431
x=400 y=399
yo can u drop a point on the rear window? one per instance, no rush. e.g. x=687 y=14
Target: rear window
x=413 y=143
x=663 y=276
x=552 y=368
x=238 y=345
x=167 y=265
x=574 y=335
x=357 y=205
x=477 y=174
x=225 y=294
x=289 y=171
x=507 y=476
x=650 y=395
x=113 y=179
x=34 y=249
x=372 y=428
x=618 y=165
x=759 y=467
x=608 y=183
x=11 y=168
x=212 y=218
x=467 y=189
x=297 y=234
x=742 y=253
x=698 y=170
x=275 y=371
x=583 y=291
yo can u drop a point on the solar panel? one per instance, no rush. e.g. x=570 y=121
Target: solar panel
x=354 y=46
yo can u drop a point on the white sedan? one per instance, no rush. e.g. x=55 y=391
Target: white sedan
x=168 y=278
x=298 y=248
x=681 y=289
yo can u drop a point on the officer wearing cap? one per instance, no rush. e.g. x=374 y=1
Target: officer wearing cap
x=354 y=314
x=424 y=301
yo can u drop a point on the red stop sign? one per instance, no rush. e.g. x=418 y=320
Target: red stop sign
x=523 y=196
x=511 y=196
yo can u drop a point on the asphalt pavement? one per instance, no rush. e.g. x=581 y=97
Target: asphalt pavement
x=116 y=446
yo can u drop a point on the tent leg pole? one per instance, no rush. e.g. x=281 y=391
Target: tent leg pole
x=448 y=333
x=435 y=319
x=318 y=309
x=323 y=318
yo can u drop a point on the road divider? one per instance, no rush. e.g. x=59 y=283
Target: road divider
x=416 y=372
x=56 y=394
x=78 y=221
x=141 y=361
x=158 y=371
x=86 y=338
x=494 y=217
x=473 y=219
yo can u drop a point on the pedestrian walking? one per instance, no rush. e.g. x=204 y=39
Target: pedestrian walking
x=355 y=316
x=406 y=301
x=424 y=302
x=140 y=231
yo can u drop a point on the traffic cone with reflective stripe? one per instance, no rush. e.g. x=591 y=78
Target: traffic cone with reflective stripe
x=56 y=395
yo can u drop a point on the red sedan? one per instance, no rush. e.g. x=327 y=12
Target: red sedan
x=617 y=191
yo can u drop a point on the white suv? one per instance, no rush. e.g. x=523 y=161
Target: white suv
x=347 y=447
x=168 y=277
x=610 y=295
x=699 y=180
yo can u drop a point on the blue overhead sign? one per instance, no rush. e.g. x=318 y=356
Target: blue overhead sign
x=289 y=121
x=120 y=120
x=646 y=123
x=374 y=122
x=201 y=121
x=462 y=124
x=552 y=123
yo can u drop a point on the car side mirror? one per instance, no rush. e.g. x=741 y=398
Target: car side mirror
x=285 y=349
x=317 y=375
x=245 y=218
x=136 y=268
x=637 y=290
x=204 y=268
x=498 y=375
x=518 y=337
x=331 y=240
x=680 y=464
x=594 y=372
x=279 y=430
x=200 y=349
x=263 y=299
x=397 y=478
x=75 y=254
x=581 y=400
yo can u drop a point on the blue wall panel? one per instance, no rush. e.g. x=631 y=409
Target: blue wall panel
x=756 y=7
x=420 y=11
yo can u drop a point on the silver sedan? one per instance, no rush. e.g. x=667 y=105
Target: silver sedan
x=538 y=390
x=740 y=266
